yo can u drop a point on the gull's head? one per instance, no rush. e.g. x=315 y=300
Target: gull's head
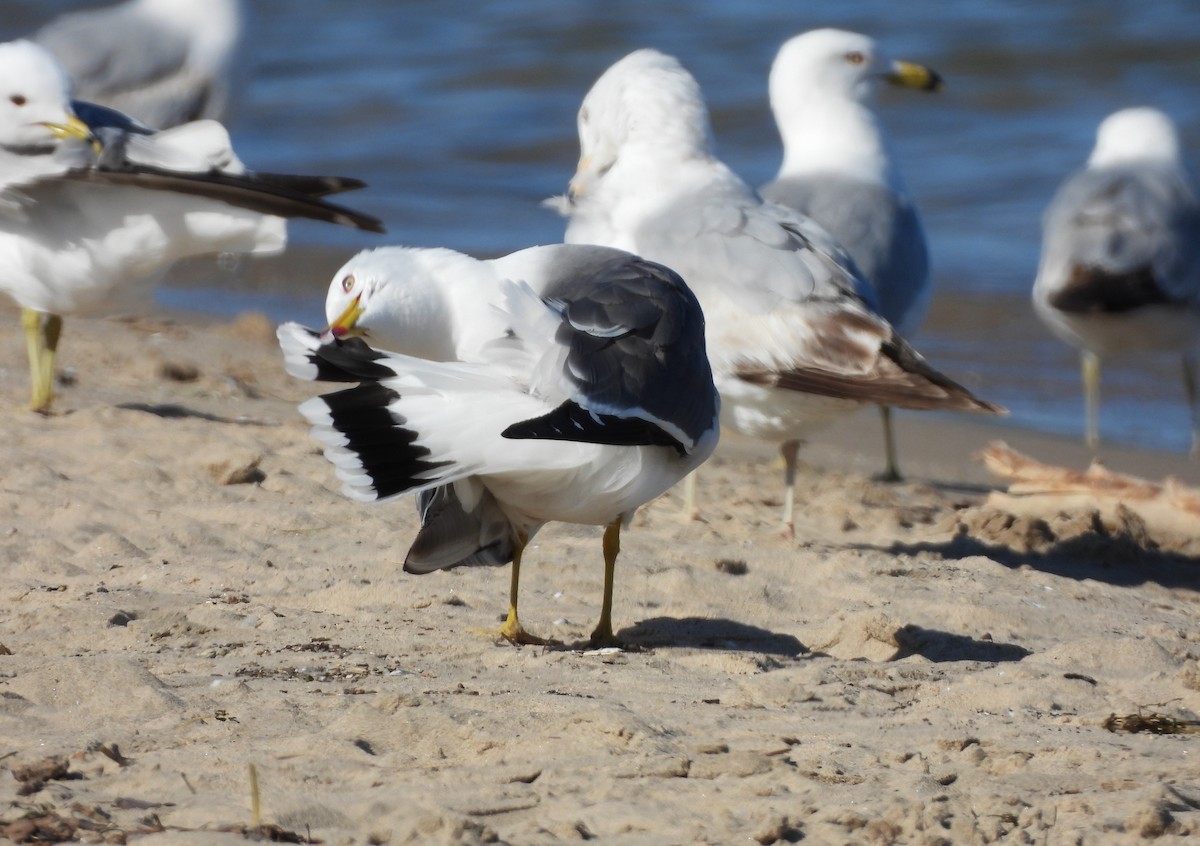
x=35 y=97
x=396 y=298
x=351 y=292
x=1139 y=134
x=839 y=64
x=648 y=101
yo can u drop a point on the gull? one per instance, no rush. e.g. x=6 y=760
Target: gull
x=89 y=209
x=839 y=170
x=595 y=396
x=1120 y=264
x=793 y=336
x=165 y=62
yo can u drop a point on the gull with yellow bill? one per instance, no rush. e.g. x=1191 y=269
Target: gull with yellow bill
x=92 y=202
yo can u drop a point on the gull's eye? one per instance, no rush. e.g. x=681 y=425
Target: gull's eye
x=583 y=115
x=855 y=58
x=348 y=283
x=17 y=99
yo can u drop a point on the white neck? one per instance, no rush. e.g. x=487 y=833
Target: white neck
x=824 y=134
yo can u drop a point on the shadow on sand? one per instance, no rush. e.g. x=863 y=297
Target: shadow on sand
x=701 y=633
x=1114 y=559
x=173 y=411
x=938 y=646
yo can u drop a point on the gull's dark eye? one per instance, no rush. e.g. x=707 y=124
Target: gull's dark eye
x=17 y=99
x=348 y=283
x=583 y=115
x=855 y=58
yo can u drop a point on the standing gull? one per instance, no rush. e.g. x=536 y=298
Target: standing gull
x=86 y=210
x=165 y=62
x=596 y=397
x=838 y=169
x=792 y=335
x=1120 y=265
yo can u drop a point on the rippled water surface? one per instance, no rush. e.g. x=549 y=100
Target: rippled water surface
x=461 y=117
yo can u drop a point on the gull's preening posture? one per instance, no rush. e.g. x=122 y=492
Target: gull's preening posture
x=590 y=395
x=90 y=207
x=1120 y=266
x=838 y=169
x=793 y=339
x=165 y=62
x=429 y=302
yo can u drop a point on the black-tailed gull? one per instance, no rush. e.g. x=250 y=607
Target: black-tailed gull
x=1120 y=264
x=792 y=334
x=838 y=169
x=593 y=396
x=87 y=210
x=166 y=62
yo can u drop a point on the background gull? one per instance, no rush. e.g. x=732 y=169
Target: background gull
x=1120 y=265
x=792 y=335
x=839 y=170
x=596 y=397
x=166 y=62
x=86 y=210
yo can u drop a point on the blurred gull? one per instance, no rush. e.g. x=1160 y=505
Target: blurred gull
x=1120 y=265
x=838 y=169
x=591 y=394
x=87 y=209
x=792 y=335
x=165 y=62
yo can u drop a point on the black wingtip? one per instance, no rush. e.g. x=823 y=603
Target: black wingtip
x=312 y=186
x=387 y=451
x=247 y=191
x=571 y=422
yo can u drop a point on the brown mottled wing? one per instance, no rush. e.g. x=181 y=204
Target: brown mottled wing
x=859 y=357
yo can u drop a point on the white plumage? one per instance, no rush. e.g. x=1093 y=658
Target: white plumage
x=558 y=383
x=792 y=331
x=165 y=62
x=839 y=169
x=1120 y=264
x=91 y=209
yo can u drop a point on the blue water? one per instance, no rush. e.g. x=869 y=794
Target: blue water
x=461 y=117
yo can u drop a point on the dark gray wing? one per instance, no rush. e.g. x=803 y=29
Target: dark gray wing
x=451 y=536
x=878 y=227
x=635 y=361
x=1126 y=236
x=100 y=118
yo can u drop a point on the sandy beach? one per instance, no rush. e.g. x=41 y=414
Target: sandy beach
x=186 y=595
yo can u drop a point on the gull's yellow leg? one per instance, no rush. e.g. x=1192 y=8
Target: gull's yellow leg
x=1091 y=398
x=41 y=340
x=790 y=450
x=603 y=634
x=512 y=630
x=891 y=470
